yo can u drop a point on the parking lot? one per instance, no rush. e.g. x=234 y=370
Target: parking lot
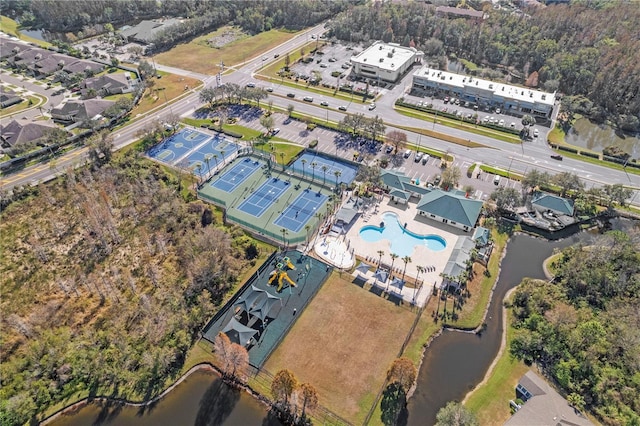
x=343 y=146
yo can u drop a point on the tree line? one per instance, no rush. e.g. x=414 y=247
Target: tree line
x=586 y=50
x=582 y=329
x=112 y=274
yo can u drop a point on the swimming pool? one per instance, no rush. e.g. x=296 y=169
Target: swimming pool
x=403 y=241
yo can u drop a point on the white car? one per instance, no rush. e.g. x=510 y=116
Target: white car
x=372 y=107
x=275 y=131
x=535 y=133
x=501 y=122
x=497 y=110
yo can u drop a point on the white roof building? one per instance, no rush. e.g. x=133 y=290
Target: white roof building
x=516 y=99
x=386 y=61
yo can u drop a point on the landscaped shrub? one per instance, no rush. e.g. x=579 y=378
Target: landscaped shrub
x=567 y=149
x=589 y=154
x=233 y=134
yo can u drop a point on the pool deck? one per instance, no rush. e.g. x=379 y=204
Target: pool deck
x=366 y=251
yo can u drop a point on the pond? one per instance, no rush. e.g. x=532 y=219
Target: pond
x=201 y=399
x=456 y=362
x=586 y=134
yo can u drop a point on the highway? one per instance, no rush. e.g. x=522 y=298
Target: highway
x=513 y=157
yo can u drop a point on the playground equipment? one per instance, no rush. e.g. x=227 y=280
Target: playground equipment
x=280 y=275
x=287 y=262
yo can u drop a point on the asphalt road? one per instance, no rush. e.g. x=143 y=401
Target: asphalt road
x=512 y=157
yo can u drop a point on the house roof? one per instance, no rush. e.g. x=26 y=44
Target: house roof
x=451 y=206
x=481 y=236
x=7 y=94
x=399 y=193
x=17 y=132
x=146 y=30
x=553 y=202
x=107 y=81
x=82 y=110
x=545 y=407
x=81 y=65
x=10 y=48
x=460 y=254
x=398 y=180
x=467 y=13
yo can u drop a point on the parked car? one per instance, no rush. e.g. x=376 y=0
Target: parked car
x=501 y=122
x=497 y=110
x=425 y=159
x=535 y=133
x=418 y=157
x=437 y=179
x=388 y=149
x=407 y=153
x=275 y=131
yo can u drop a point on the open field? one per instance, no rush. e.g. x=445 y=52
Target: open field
x=199 y=57
x=336 y=345
x=164 y=90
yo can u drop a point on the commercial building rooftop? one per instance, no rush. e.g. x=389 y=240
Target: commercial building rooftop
x=386 y=56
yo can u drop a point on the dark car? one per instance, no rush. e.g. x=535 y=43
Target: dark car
x=291 y=95
x=557 y=157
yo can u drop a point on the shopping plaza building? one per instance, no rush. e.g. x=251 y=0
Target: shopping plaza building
x=514 y=100
x=385 y=61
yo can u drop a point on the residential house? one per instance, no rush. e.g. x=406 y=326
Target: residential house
x=8 y=97
x=457 y=12
x=543 y=405
x=23 y=131
x=80 y=111
x=484 y=245
x=450 y=207
x=83 y=66
x=10 y=48
x=109 y=84
x=544 y=203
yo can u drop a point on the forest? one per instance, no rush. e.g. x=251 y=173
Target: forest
x=588 y=51
x=108 y=274
x=583 y=328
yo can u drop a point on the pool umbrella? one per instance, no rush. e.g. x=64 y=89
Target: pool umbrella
x=381 y=275
x=239 y=333
x=261 y=309
x=250 y=299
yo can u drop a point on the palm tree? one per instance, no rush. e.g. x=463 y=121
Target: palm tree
x=222 y=153
x=393 y=259
x=199 y=168
x=208 y=160
x=380 y=253
x=304 y=163
x=282 y=160
x=421 y=269
x=215 y=157
x=284 y=238
x=313 y=167
x=324 y=174
x=406 y=260
x=337 y=174
x=307 y=228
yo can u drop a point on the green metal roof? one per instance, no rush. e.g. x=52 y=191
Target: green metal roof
x=450 y=206
x=553 y=202
x=399 y=193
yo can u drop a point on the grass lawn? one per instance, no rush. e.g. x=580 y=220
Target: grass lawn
x=490 y=401
x=9 y=26
x=343 y=343
x=14 y=109
x=165 y=89
x=199 y=57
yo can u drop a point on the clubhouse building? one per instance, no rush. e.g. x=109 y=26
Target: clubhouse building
x=385 y=61
x=514 y=100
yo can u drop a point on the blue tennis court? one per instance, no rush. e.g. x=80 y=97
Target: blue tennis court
x=215 y=150
x=335 y=172
x=263 y=197
x=301 y=210
x=240 y=172
x=177 y=146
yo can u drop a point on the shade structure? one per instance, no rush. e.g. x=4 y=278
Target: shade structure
x=381 y=275
x=363 y=268
x=238 y=332
x=251 y=299
x=397 y=283
x=261 y=310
